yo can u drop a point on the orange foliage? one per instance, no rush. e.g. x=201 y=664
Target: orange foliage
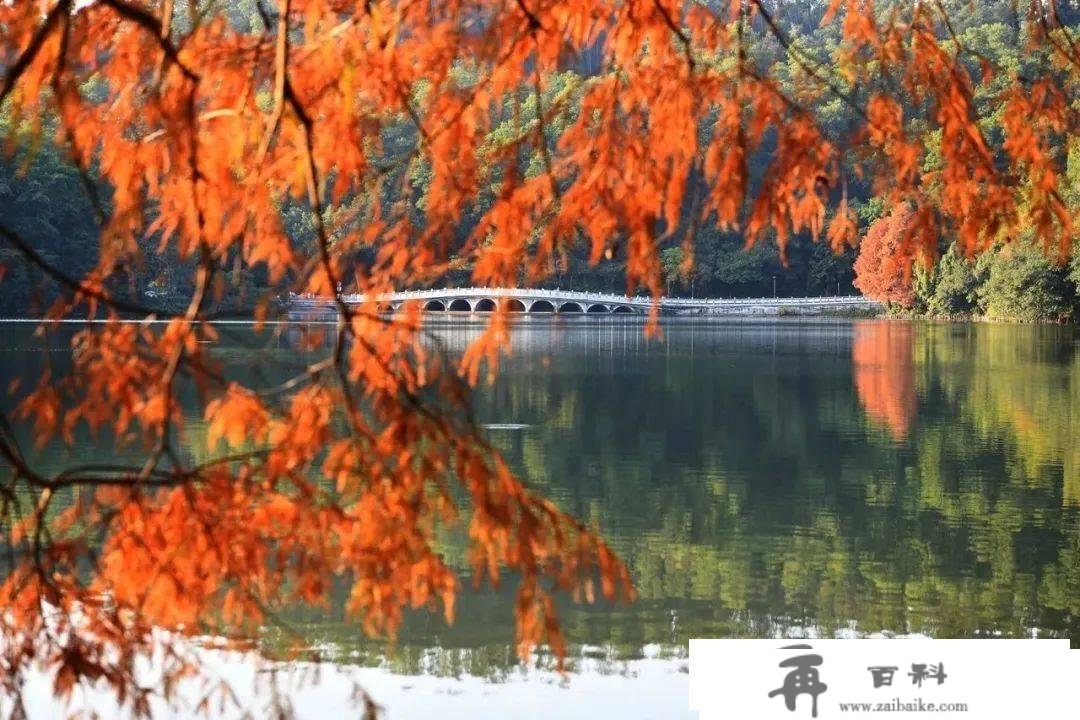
x=883 y=358
x=205 y=132
x=883 y=267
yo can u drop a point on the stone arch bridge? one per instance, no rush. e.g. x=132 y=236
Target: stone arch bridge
x=479 y=300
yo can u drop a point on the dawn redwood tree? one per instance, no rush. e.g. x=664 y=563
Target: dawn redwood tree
x=201 y=131
x=883 y=268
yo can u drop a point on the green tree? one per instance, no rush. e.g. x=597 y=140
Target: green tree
x=672 y=260
x=951 y=287
x=1022 y=284
x=1072 y=199
x=41 y=197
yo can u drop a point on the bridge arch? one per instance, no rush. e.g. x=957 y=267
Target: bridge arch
x=521 y=299
x=460 y=305
x=542 y=306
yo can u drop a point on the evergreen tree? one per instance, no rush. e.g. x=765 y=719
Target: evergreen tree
x=953 y=287
x=1022 y=283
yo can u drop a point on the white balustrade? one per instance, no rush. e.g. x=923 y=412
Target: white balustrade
x=448 y=295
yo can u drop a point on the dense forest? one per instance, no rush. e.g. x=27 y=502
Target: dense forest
x=43 y=198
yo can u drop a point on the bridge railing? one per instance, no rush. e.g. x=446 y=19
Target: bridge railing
x=596 y=298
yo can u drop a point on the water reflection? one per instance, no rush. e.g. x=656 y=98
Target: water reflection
x=885 y=373
x=762 y=478
x=741 y=470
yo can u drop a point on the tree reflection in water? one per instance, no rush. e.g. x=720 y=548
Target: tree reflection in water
x=885 y=373
x=733 y=466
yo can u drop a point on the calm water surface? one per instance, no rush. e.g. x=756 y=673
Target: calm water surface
x=764 y=478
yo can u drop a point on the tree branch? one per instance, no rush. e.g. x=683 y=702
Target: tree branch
x=74 y=285
x=62 y=8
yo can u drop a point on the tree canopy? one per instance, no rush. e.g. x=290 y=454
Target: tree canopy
x=336 y=146
x=881 y=271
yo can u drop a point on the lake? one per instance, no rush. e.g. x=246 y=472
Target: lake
x=761 y=478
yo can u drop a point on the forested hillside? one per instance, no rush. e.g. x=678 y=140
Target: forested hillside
x=45 y=200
